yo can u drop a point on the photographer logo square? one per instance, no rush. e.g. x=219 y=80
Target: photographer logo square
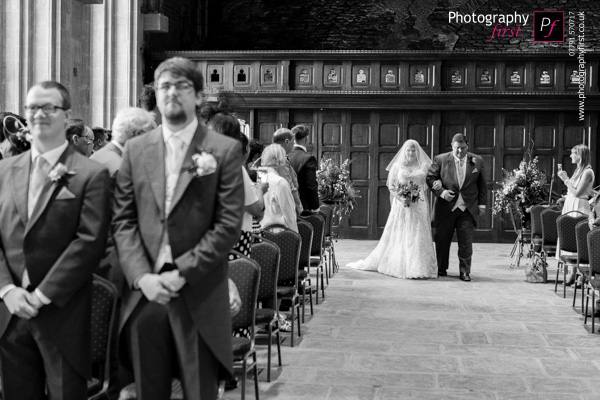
x=548 y=26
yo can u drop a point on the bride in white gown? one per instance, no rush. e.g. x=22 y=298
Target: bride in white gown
x=405 y=249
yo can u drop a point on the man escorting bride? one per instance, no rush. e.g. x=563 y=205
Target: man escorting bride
x=405 y=249
x=457 y=179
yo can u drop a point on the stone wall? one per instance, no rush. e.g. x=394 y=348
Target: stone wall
x=378 y=24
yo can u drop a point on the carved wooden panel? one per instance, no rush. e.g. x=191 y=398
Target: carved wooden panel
x=335 y=156
x=546 y=164
x=389 y=135
x=417 y=132
x=488 y=163
x=267 y=125
x=383 y=205
x=484 y=136
x=359 y=168
x=332 y=134
x=360 y=216
x=383 y=161
x=361 y=135
x=544 y=137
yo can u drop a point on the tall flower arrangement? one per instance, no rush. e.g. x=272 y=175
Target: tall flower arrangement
x=521 y=188
x=335 y=185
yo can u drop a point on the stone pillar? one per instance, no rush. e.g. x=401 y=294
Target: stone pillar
x=93 y=49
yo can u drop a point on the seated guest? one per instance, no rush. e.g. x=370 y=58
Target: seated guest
x=253 y=161
x=305 y=165
x=15 y=138
x=100 y=137
x=594 y=218
x=226 y=124
x=147 y=101
x=284 y=137
x=80 y=137
x=279 y=202
x=128 y=123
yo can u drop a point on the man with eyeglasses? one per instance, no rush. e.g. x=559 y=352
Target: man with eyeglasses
x=178 y=207
x=54 y=218
x=80 y=137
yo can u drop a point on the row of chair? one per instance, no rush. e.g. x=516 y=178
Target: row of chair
x=578 y=247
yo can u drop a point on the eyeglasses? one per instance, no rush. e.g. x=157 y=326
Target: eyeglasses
x=46 y=109
x=181 y=86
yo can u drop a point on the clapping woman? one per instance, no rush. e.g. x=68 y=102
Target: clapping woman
x=579 y=187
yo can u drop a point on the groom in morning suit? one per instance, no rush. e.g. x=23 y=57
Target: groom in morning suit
x=458 y=181
x=54 y=217
x=178 y=210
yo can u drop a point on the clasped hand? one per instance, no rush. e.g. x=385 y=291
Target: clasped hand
x=161 y=288
x=22 y=303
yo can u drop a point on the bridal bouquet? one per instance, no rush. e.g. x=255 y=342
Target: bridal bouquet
x=408 y=191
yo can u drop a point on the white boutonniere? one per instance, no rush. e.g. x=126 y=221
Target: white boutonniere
x=204 y=164
x=59 y=172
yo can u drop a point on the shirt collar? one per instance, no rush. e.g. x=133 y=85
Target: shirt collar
x=51 y=156
x=186 y=134
x=118 y=146
x=301 y=147
x=457 y=160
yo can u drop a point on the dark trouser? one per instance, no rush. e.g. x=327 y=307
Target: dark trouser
x=463 y=223
x=163 y=343
x=31 y=363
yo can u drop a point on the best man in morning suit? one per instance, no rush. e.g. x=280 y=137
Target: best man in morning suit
x=459 y=202
x=54 y=217
x=306 y=166
x=178 y=211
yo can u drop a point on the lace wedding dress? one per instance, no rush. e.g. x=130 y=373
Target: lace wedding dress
x=405 y=249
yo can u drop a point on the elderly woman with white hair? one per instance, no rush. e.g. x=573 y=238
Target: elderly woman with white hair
x=128 y=123
x=280 y=208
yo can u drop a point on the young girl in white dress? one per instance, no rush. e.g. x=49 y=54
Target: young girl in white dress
x=405 y=249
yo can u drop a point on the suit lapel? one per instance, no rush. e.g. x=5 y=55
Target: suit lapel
x=468 y=171
x=49 y=188
x=21 y=168
x=154 y=164
x=185 y=176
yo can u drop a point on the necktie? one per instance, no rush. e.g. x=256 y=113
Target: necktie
x=461 y=171
x=174 y=160
x=36 y=183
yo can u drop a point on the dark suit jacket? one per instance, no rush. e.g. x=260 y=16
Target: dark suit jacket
x=474 y=188
x=305 y=165
x=204 y=224
x=60 y=246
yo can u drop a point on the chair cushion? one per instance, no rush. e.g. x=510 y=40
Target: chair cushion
x=302 y=274
x=240 y=346
x=285 y=291
x=315 y=262
x=264 y=316
x=594 y=283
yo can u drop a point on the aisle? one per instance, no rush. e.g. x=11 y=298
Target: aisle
x=377 y=337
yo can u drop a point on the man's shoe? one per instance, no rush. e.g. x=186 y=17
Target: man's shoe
x=465 y=277
x=442 y=273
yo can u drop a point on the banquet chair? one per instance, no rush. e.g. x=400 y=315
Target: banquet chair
x=582 y=269
x=266 y=254
x=549 y=233
x=245 y=273
x=289 y=243
x=104 y=305
x=306 y=232
x=536 y=229
x=592 y=285
x=567 y=243
x=316 y=254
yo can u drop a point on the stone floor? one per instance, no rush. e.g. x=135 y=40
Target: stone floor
x=497 y=337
